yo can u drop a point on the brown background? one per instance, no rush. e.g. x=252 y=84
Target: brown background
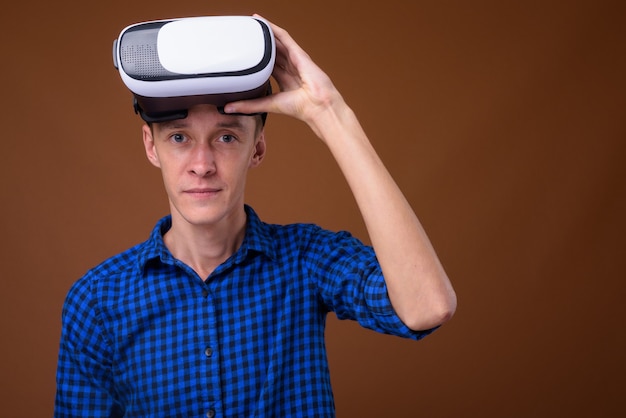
x=502 y=121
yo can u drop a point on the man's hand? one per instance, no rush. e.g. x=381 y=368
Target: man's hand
x=306 y=92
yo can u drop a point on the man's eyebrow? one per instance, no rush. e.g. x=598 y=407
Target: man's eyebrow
x=234 y=123
x=173 y=124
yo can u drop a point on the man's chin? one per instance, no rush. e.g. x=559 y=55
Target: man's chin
x=207 y=218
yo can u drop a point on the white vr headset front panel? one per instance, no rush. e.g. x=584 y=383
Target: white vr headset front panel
x=195 y=56
x=195 y=47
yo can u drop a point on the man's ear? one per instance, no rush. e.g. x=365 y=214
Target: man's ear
x=259 y=150
x=148 y=143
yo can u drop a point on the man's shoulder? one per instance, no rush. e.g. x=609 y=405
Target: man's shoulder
x=114 y=268
x=104 y=281
x=295 y=232
x=132 y=260
x=310 y=237
x=121 y=262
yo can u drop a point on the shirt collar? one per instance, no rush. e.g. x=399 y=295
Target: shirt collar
x=258 y=236
x=257 y=239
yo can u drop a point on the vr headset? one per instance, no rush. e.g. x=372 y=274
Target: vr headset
x=172 y=65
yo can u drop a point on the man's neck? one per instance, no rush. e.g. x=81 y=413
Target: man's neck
x=205 y=247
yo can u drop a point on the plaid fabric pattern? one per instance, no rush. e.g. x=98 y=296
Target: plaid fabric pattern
x=144 y=336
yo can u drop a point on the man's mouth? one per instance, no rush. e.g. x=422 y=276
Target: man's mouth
x=202 y=191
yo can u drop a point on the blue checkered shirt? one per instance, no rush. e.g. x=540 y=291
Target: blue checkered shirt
x=144 y=336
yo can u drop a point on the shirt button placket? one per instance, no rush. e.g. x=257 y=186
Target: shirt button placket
x=210 y=354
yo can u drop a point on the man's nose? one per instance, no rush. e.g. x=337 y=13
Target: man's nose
x=203 y=160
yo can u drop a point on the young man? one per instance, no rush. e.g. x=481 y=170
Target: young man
x=219 y=314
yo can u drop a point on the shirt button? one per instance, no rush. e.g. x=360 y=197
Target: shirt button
x=210 y=413
x=208 y=352
x=205 y=293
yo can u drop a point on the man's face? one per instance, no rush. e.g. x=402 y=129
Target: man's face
x=204 y=160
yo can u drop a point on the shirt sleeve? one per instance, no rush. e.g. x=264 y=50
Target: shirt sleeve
x=84 y=378
x=351 y=283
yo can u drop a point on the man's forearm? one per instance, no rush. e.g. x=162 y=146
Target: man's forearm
x=418 y=286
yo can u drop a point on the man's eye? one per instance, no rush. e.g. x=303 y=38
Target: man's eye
x=227 y=138
x=178 y=138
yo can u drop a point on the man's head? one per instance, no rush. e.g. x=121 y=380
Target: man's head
x=204 y=159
